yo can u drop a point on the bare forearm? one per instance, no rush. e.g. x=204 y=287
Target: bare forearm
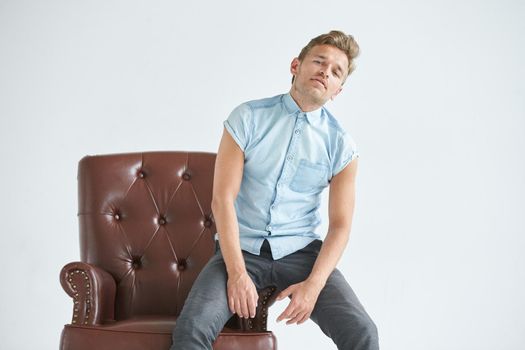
x=305 y=293
x=340 y=211
x=331 y=251
x=228 y=228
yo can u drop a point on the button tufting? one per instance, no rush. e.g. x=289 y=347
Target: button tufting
x=182 y=264
x=207 y=222
x=186 y=176
x=117 y=216
x=136 y=263
x=162 y=221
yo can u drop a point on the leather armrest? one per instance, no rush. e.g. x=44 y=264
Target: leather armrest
x=93 y=291
x=258 y=323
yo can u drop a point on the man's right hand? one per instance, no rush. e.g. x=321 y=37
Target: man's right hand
x=242 y=295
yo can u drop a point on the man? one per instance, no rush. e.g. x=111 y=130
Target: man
x=275 y=157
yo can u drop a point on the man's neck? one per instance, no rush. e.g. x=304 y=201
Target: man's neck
x=304 y=104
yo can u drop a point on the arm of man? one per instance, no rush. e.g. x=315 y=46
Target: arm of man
x=340 y=212
x=229 y=166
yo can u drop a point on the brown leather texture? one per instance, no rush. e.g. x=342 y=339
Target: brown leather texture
x=153 y=333
x=146 y=231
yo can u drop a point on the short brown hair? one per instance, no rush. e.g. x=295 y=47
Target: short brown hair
x=339 y=39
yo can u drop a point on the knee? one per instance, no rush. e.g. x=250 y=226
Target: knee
x=369 y=329
x=194 y=332
x=365 y=334
x=359 y=333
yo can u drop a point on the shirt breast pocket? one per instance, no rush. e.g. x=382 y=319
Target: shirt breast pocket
x=309 y=177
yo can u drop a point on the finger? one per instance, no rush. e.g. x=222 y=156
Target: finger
x=284 y=293
x=303 y=319
x=252 y=305
x=298 y=317
x=282 y=316
x=244 y=307
x=287 y=312
x=293 y=319
x=231 y=304
x=237 y=304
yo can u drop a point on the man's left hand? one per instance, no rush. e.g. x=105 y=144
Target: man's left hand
x=304 y=296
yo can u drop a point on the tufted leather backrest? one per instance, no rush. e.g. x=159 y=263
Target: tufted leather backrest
x=146 y=219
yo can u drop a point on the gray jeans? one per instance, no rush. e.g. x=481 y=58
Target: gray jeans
x=337 y=311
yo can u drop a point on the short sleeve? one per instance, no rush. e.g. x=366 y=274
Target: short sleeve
x=239 y=125
x=346 y=152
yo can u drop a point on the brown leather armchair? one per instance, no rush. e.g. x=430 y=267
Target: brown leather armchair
x=146 y=231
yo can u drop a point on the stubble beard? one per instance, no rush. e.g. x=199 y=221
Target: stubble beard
x=311 y=93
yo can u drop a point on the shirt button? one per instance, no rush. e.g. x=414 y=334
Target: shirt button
x=289 y=158
x=297 y=132
x=272 y=206
x=279 y=184
x=268 y=228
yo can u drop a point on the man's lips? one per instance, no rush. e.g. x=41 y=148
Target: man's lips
x=320 y=82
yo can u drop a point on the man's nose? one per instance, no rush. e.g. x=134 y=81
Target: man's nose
x=324 y=71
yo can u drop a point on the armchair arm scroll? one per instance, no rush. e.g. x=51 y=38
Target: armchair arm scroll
x=267 y=297
x=93 y=291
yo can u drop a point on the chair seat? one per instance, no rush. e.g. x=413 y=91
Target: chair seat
x=152 y=332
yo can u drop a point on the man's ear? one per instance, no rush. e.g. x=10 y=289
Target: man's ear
x=294 y=65
x=336 y=93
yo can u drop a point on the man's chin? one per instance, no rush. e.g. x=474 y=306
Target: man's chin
x=318 y=97
x=314 y=91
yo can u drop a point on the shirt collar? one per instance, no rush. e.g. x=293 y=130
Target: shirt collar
x=292 y=107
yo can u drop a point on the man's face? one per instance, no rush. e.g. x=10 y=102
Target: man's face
x=320 y=75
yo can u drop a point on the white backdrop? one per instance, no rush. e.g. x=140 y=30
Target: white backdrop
x=436 y=107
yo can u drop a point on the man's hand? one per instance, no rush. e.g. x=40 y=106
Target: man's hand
x=304 y=297
x=242 y=295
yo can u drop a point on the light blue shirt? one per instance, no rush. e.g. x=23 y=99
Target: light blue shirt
x=289 y=158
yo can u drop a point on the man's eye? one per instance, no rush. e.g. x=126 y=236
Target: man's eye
x=316 y=61
x=336 y=73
